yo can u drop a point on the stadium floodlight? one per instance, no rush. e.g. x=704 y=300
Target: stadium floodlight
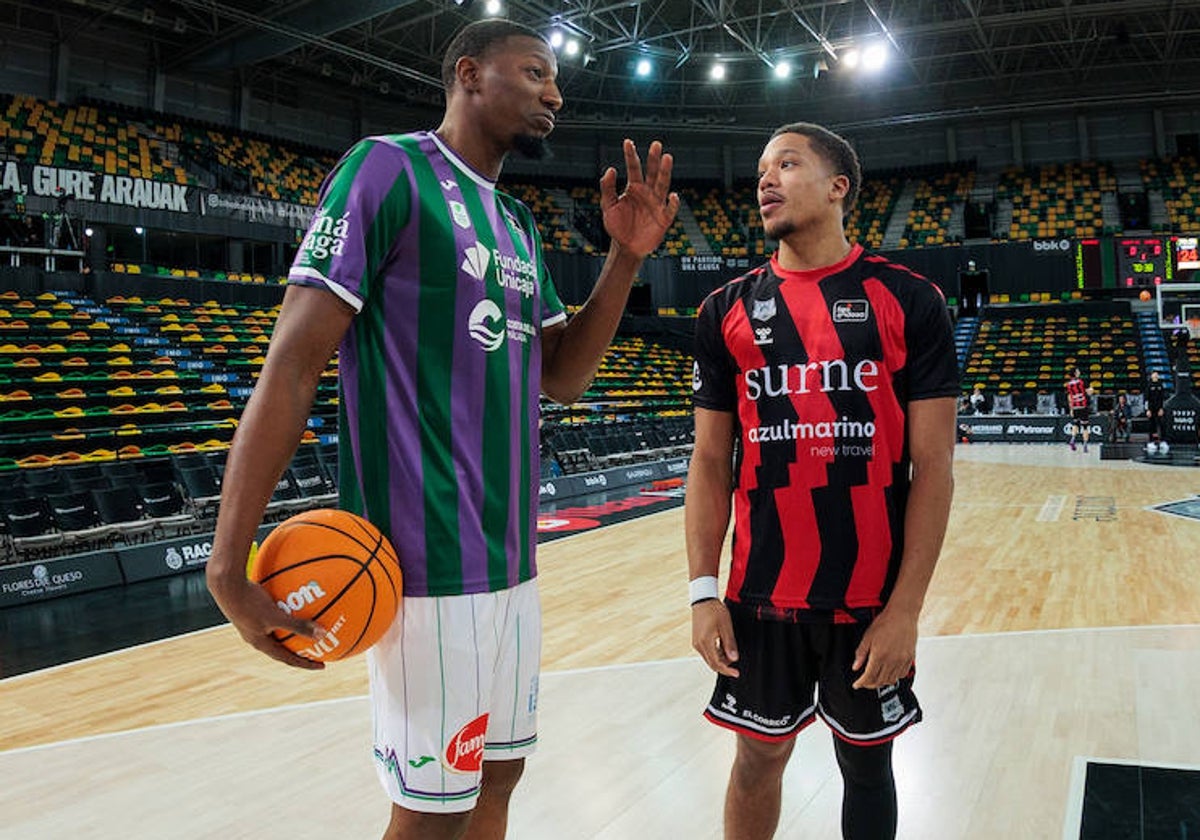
x=139 y=230
x=571 y=47
x=783 y=70
x=556 y=39
x=850 y=58
x=874 y=57
x=493 y=7
x=717 y=73
x=88 y=231
x=644 y=67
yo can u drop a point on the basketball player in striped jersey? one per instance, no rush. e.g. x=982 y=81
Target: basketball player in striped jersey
x=1079 y=404
x=825 y=390
x=430 y=282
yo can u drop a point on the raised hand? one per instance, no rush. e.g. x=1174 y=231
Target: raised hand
x=638 y=218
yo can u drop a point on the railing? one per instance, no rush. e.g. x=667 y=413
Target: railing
x=49 y=256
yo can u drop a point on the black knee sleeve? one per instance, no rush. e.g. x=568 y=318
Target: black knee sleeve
x=869 y=802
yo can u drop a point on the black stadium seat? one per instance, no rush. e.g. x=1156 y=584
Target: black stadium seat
x=28 y=523
x=76 y=517
x=200 y=485
x=165 y=507
x=121 y=508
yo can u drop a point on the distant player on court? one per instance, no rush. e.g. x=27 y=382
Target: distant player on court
x=1079 y=404
x=831 y=374
x=431 y=284
x=1155 y=399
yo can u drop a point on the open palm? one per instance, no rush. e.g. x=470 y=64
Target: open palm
x=638 y=218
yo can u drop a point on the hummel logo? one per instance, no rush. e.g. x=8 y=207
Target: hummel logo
x=449 y=184
x=420 y=762
x=476 y=261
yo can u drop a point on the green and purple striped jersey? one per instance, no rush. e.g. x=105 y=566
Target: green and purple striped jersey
x=441 y=367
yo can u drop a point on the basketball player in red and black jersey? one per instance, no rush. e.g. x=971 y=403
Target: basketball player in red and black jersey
x=1079 y=402
x=825 y=392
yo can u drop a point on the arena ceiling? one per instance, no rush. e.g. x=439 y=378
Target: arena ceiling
x=944 y=59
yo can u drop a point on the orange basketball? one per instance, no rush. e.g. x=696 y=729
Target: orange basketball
x=334 y=568
x=1144 y=294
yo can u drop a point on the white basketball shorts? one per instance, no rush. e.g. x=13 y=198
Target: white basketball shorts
x=454 y=683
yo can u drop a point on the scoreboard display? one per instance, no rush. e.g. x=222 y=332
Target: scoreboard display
x=1142 y=262
x=1187 y=256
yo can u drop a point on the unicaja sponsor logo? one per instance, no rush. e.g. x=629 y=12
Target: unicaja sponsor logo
x=476 y=260
x=515 y=273
x=464 y=751
x=486 y=325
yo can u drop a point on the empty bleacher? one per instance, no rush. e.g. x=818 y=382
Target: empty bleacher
x=1029 y=353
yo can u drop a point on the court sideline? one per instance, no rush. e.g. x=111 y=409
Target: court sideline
x=1046 y=638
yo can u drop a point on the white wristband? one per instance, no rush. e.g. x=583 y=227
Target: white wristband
x=702 y=589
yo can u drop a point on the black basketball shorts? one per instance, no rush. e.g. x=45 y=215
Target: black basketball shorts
x=782 y=664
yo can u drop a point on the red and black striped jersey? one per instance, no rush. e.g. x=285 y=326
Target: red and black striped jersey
x=818 y=368
x=1077 y=396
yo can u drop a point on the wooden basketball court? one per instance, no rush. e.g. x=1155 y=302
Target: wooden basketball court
x=1063 y=623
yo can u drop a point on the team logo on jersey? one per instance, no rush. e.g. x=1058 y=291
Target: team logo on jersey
x=763 y=335
x=892 y=709
x=486 y=325
x=850 y=311
x=459 y=213
x=697 y=383
x=449 y=184
x=475 y=261
x=764 y=310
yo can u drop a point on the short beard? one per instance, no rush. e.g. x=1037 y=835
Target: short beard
x=532 y=147
x=780 y=229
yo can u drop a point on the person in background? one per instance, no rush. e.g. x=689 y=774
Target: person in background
x=1122 y=420
x=1079 y=404
x=1155 y=398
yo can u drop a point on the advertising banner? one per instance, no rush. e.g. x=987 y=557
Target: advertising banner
x=570 y=486
x=144 y=194
x=171 y=557
x=1026 y=428
x=249 y=208
x=83 y=185
x=27 y=582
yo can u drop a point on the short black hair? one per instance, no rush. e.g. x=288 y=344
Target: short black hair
x=836 y=151
x=477 y=38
